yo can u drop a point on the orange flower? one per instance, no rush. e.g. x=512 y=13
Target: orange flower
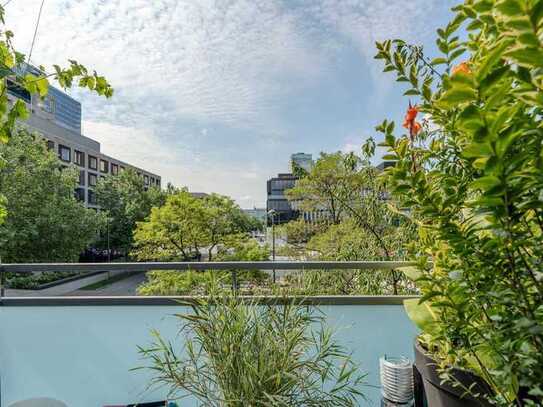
x=416 y=128
x=411 y=113
x=462 y=68
x=409 y=120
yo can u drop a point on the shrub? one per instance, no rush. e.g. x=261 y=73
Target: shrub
x=240 y=354
x=471 y=173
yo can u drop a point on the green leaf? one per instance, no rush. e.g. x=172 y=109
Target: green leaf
x=456 y=54
x=470 y=119
x=526 y=56
x=422 y=315
x=411 y=92
x=509 y=7
x=412 y=273
x=42 y=86
x=491 y=59
x=476 y=150
x=485 y=183
x=457 y=95
x=438 y=61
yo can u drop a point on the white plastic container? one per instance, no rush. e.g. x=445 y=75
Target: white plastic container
x=396 y=379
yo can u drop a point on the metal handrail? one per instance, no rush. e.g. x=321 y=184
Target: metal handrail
x=232 y=266
x=212 y=265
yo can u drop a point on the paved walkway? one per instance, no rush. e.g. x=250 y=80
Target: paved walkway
x=126 y=286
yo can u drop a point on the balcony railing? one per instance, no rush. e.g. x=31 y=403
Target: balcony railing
x=83 y=355
x=233 y=267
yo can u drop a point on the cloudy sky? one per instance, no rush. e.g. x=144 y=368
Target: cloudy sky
x=216 y=94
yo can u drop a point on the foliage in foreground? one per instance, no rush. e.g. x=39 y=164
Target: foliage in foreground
x=44 y=221
x=238 y=354
x=472 y=175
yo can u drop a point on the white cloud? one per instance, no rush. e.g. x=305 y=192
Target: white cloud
x=178 y=164
x=223 y=61
x=180 y=68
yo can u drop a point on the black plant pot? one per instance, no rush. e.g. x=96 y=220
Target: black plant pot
x=445 y=395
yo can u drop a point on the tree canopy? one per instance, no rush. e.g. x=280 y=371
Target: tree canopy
x=125 y=201
x=354 y=220
x=185 y=227
x=44 y=220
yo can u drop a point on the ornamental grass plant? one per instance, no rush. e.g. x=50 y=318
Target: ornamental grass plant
x=238 y=353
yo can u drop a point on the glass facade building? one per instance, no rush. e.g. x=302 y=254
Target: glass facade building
x=277 y=201
x=66 y=110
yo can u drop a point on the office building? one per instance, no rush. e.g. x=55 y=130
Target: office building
x=277 y=201
x=301 y=160
x=57 y=118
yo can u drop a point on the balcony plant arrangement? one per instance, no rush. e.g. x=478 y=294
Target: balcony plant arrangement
x=239 y=353
x=469 y=172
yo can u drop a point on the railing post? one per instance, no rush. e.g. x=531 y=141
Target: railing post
x=2 y=279
x=234 y=281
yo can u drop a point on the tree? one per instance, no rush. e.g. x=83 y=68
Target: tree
x=126 y=201
x=185 y=226
x=356 y=222
x=161 y=282
x=14 y=73
x=332 y=180
x=44 y=220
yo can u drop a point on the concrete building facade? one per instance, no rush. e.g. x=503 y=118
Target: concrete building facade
x=57 y=118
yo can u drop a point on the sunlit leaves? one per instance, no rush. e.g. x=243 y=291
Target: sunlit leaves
x=483 y=159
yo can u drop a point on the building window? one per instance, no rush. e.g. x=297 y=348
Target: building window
x=152 y=180
x=158 y=183
x=114 y=169
x=50 y=145
x=82 y=177
x=93 y=163
x=80 y=194
x=92 y=197
x=146 y=179
x=92 y=179
x=104 y=166
x=79 y=158
x=64 y=153
x=18 y=91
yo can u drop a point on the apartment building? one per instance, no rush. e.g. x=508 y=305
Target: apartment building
x=57 y=118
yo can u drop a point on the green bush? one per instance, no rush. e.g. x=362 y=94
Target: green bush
x=33 y=281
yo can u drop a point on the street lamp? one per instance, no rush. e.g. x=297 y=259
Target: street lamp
x=271 y=213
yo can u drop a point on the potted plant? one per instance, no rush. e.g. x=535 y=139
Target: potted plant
x=239 y=353
x=469 y=173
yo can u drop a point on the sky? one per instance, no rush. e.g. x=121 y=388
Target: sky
x=215 y=95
